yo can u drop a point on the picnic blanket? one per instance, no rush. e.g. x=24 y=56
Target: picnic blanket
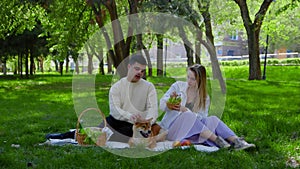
x=161 y=146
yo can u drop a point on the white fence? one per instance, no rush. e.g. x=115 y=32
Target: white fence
x=262 y=56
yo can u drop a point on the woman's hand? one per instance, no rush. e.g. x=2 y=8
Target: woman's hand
x=178 y=107
x=175 y=107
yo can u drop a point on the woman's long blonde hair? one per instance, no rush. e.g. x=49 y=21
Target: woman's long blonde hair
x=200 y=74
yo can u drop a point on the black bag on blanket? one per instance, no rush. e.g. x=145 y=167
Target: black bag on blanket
x=69 y=134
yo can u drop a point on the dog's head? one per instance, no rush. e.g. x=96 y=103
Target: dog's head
x=142 y=129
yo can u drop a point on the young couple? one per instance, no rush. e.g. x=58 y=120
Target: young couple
x=134 y=99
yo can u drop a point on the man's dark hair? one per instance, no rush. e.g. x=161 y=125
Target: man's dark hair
x=137 y=58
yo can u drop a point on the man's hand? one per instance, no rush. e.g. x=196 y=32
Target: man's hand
x=136 y=118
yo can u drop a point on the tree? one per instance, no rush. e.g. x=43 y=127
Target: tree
x=282 y=26
x=67 y=26
x=185 y=10
x=187 y=45
x=121 y=46
x=204 y=6
x=134 y=4
x=19 y=30
x=159 y=54
x=94 y=47
x=179 y=8
x=17 y=16
x=253 y=30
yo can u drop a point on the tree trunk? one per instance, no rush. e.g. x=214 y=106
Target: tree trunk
x=210 y=45
x=32 y=64
x=56 y=65
x=121 y=50
x=76 y=65
x=109 y=63
x=160 y=44
x=187 y=46
x=133 y=4
x=117 y=31
x=150 y=73
x=41 y=63
x=253 y=30
x=16 y=67
x=189 y=54
x=101 y=68
x=99 y=20
x=140 y=47
x=4 y=68
x=198 y=47
x=67 y=63
x=101 y=62
x=27 y=63
x=61 y=67
x=254 y=60
x=20 y=65
x=90 y=63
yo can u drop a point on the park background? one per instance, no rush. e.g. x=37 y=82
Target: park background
x=251 y=48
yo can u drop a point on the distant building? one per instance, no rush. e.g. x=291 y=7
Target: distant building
x=232 y=45
x=175 y=51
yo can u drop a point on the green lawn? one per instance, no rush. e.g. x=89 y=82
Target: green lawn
x=266 y=112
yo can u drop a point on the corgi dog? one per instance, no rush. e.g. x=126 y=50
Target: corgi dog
x=146 y=135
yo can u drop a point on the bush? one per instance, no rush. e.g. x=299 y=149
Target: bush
x=270 y=61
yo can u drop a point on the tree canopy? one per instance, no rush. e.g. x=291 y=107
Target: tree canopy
x=62 y=27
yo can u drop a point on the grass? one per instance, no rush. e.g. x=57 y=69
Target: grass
x=266 y=112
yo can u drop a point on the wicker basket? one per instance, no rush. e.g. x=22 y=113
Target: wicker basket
x=80 y=137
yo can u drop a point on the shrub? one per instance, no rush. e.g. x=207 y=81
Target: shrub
x=287 y=61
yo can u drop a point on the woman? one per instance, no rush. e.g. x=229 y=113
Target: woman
x=189 y=119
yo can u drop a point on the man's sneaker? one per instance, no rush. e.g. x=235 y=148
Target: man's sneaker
x=241 y=144
x=221 y=142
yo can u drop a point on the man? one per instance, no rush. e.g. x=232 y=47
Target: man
x=131 y=99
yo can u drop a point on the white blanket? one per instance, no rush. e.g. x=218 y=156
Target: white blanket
x=161 y=146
